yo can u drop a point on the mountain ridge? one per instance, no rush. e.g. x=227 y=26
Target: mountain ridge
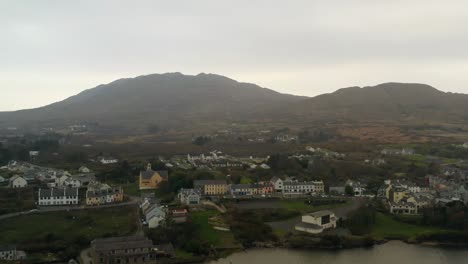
x=178 y=100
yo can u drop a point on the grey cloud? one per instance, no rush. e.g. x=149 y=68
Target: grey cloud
x=303 y=47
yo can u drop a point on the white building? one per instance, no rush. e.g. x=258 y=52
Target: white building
x=315 y=223
x=189 y=196
x=154 y=216
x=310 y=187
x=278 y=184
x=9 y=253
x=84 y=169
x=404 y=208
x=17 y=182
x=71 y=182
x=58 y=196
x=414 y=188
x=298 y=187
x=358 y=188
x=108 y=160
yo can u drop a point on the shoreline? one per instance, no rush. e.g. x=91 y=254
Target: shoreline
x=431 y=244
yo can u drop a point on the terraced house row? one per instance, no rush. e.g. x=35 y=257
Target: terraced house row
x=275 y=185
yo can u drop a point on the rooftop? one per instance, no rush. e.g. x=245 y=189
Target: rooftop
x=116 y=243
x=321 y=213
x=198 y=183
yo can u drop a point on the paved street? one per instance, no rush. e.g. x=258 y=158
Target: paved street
x=66 y=208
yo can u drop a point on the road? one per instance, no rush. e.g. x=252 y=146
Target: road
x=48 y=209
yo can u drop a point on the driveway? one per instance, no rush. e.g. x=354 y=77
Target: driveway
x=47 y=209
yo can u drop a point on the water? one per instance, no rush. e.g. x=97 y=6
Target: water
x=394 y=252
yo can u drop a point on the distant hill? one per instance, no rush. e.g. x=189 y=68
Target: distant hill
x=394 y=102
x=167 y=100
x=174 y=100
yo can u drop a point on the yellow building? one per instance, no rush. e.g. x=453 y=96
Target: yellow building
x=104 y=195
x=212 y=187
x=150 y=179
x=397 y=194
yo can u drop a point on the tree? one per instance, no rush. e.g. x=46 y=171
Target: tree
x=349 y=190
x=200 y=141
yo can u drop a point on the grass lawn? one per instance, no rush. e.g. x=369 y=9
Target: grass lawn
x=387 y=227
x=16 y=200
x=131 y=189
x=180 y=254
x=219 y=239
x=44 y=231
x=302 y=207
x=246 y=180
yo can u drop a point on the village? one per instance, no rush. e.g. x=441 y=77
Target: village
x=311 y=205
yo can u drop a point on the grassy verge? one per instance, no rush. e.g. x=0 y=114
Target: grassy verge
x=16 y=200
x=66 y=233
x=387 y=227
x=218 y=239
x=302 y=207
x=131 y=189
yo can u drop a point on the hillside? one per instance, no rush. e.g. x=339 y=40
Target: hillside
x=389 y=102
x=186 y=103
x=167 y=100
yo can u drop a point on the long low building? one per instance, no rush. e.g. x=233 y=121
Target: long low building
x=58 y=196
x=293 y=187
x=104 y=195
x=211 y=187
x=119 y=250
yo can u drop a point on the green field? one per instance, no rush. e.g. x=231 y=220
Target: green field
x=386 y=227
x=131 y=189
x=302 y=207
x=16 y=200
x=62 y=231
x=214 y=237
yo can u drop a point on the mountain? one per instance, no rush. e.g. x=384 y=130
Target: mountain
x=186 y=103
x=388 y=102
x=166 y=100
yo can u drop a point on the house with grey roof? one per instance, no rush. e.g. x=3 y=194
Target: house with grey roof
x=150 y=179
x=10 y=253
x=189 y=196
x=58 y=196
x=17 y=182
x=130 y=249
x=317 y=222
x=154 y=216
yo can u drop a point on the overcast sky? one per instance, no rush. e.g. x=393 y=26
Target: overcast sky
x=50 y=50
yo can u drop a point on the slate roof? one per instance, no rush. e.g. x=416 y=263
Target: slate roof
x=187 y=192
x=7 y=248
x=298 y=183
x=117 y=243
x=15 y=177
x=241 y=186
x=154 y=211
x=58 y=192
x=321 y=213
x=103 y=192
x=148 y=174
x=200 y=183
